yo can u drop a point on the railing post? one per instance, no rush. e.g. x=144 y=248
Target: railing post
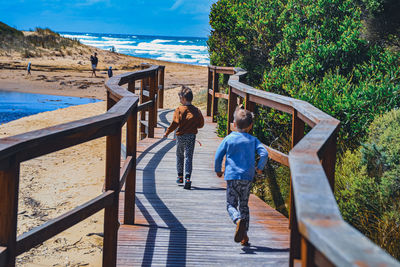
x=9 y=187
x=214 y=109
x=329 y=160
x=110 y=102
x=111 y=223
x=161 y=88
x=250 y=106
x=142 y=99
x=155 y=98
x=232 y=98
x=307 y=253
x=152 y=110
x=130 y=184
x=209 y=96
x=297 y=134
x=131 y=86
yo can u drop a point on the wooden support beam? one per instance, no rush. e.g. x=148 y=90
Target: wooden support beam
x=110 y=101
x=55 y=226
x=161 y=88
x=214 y=109
x=111 y=223
x=307 y=254
x=3 y=256
x=329 y=160
x=130 y=187
x=209 y=96
x=297 y=135
x=142 y=99
x=250 y=106
x=131 y=86
x=232 y=98
x=153 y=109
x=9 y=187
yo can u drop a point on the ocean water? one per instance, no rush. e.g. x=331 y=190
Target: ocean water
x=15 y=105
x=189 y=50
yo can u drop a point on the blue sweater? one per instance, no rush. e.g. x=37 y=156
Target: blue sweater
x=240 y=150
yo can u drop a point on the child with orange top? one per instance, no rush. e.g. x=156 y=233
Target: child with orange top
x=187 y=118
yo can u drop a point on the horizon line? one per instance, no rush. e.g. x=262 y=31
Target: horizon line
x=30 y=30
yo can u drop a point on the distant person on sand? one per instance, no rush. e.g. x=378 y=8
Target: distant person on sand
x=187 y=118
x=240 y=149
x=94 y=60
x=29 y=68
x=110 y=73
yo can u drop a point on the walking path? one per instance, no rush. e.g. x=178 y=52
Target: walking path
x=177 y=227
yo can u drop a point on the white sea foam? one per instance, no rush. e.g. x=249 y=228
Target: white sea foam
x=106 y=43
x=115 y=39
x=191 y=51
x=168 y=47
x=78 y=36
x=159 y=41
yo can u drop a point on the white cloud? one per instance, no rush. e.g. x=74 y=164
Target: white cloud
x=192 y=6
x=177 y=4
x=91 y=2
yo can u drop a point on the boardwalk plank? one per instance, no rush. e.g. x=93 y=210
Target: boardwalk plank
x=177 y=227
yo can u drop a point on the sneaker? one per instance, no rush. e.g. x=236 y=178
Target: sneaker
x=245 y=240
x=179 y=180
x=240 y=230
x=188 y=184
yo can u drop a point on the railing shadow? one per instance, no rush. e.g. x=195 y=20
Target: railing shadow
x=257 y=249
x=178 y=235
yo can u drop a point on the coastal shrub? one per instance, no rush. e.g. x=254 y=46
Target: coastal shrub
x=310 y=50
x=368 y=183
x=320 y=52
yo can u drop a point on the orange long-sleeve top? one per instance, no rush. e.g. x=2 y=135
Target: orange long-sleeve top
x=187 y=119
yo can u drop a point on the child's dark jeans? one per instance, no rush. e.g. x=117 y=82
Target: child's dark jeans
x=184 y=153
x=237 y=198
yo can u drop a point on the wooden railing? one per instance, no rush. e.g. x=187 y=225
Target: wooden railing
x=319 y=236
x=123 y=106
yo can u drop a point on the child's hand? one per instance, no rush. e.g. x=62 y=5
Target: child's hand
x=219 y=174
x=258 y=171
x=165 y=135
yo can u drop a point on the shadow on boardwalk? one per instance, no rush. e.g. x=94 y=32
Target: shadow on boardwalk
x=177 y=227
x=177 y=238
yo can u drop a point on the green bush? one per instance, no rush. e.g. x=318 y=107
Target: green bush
x=368 y=183
x=320 y=51
x=311 y=50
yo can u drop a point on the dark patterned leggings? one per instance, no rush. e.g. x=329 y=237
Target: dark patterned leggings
x=184 y=153
x=237 y=199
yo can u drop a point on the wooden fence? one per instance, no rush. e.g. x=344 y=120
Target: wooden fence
x=123 y=106
x=319 y=236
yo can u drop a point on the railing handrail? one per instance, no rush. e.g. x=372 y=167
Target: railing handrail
x=325 y=237
x=122 y=107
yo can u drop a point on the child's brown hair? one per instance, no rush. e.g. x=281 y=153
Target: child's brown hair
x=186 y=93
x=243 y=118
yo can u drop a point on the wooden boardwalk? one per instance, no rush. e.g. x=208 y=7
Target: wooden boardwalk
x=177 y=227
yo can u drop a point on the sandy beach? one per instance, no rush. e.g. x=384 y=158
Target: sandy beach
x=55 y=183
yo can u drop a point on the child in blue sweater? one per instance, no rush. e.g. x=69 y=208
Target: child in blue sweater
x=240 y=149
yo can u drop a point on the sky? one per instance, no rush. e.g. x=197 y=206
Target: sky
x=146 y=17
